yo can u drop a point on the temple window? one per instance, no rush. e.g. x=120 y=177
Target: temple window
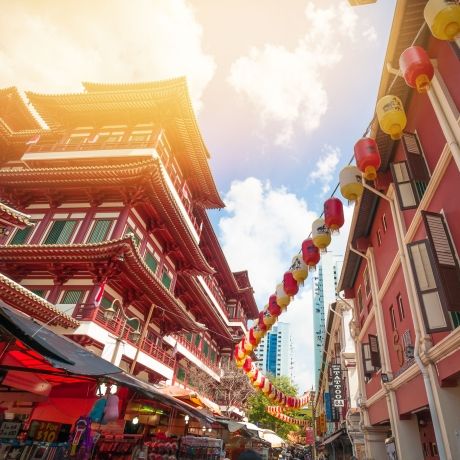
x=166 y=278
x=99 y=231
x=40 y=292
x=61 y=232
x=140 y=136
x=130 y=231
x=20 y=236
x=151 y=261
x=71 y=296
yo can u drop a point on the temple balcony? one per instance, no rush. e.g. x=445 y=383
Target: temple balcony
x=101 y=149
x=97 y=327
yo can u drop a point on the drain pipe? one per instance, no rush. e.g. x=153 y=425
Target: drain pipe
x=410 y=291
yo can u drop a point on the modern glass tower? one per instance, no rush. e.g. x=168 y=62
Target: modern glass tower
x=324 y=286
x=274 y=351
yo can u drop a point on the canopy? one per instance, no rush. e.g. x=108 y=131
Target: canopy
x=333 y=437
x=272 y=438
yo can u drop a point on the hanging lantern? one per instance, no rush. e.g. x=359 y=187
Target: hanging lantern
x=266 y=387
x=416 y=68
x=111 y=411
x=262 y=382
x=258 y=332
x=273 y=308
x=247 y=366
x=299 y=269
x=310 y=254
x=321 y=235
x=240 y=352
x=291 y=288
x=391 y=116
x=252 y=373
x=239 y=363
x=269 y=320
x=443 y=18
x=351 y=183
x=333 y=214
x=282 y=298
x=367 y=157
x=253 y=340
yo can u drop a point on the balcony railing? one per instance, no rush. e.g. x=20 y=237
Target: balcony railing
x=198 y=353
x=118 y=326
x=163 y=151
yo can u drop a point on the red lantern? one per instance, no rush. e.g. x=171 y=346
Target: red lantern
x=333 y=214
x=261 y=382
x=416 y=67
x=310 y=253
x=290 y=284
x=247 y=365
x=261 y=325
x=252 y=338
x=273 y=307
x=367 y=157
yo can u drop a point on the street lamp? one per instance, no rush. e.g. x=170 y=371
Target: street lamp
x=110 y=313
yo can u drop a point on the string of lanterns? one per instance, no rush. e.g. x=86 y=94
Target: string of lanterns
x=278 y=412
x=443 y=19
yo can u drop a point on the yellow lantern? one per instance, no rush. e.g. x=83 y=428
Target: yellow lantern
x=240 y=362
x=248 y=346
x=251 y=373
x=282 y=299
x=320 y=234
x=258 y=334
x=269 y=319
x=299 y=269
x=266 y=387
x=391 y=116
x=351 y=183
x=443 y=19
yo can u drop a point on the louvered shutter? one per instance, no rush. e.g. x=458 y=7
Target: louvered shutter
x=99 y=231
x=374 y=351
x=415 y=159
x=60 y=232
x=20 y=236
x=405 y=191
x=367 y=363
x=151 y=262
x=445 y=258
x=71 y=297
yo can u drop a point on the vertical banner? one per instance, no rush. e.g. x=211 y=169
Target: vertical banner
x=309 y=437
x=337 y=395
x=328 y=407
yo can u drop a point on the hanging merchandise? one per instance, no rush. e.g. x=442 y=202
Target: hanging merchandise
x=367 y=157
x=299 y=268
x=351 y=183
x=416 y=68
x=321 y=235
x=291 y=288
x=391 y=116
x=443 y=18
x=333 y=214
x=310 y=254
x=111 y=412
x=282 y=298
x=97 y=411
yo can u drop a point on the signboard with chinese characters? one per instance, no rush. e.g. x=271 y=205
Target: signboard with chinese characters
x=9 y=430
x=337 y=387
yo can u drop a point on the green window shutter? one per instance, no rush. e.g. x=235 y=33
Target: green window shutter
x=455 y=318
x=105 y=302
x=166 y=279
x=151 y=262
x=129 y=230
x=213 y=356
x=205 y=348
x=21 y=236
x=188 y=337
x=99 y=231
x=71 y=297
x=60 y=232
x=197 y=340
x=181 y=374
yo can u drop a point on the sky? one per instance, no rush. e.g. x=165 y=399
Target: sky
x=282 y=91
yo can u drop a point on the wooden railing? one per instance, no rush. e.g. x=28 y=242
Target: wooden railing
x=118 y=326
x=198 y=353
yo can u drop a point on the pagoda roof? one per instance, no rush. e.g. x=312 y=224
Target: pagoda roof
x=146 y=174
x=9 y=216
x=26 y=301
x=166 y=103
x=120 y=254
x=14 y=112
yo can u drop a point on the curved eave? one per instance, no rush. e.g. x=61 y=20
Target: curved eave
x=146 y=172
x=122 y=250
x=12 y=217
x=26 y=301
x=14 y=112
x=166 y=102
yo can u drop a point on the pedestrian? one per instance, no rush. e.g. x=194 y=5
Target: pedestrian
x=249 y=454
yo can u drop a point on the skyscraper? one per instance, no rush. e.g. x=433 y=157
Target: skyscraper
x=274 y=351
x=324 y=286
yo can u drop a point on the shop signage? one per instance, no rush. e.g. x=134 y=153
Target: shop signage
x=44 y=431
x=328 y=406
x=337 y=394
x=9 y=430
x=309 y=436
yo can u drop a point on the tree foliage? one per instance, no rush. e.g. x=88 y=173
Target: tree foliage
x=257 y=408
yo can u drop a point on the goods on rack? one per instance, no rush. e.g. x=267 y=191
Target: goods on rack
x=200 y=448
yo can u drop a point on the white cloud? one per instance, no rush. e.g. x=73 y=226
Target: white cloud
x=262 y=230
x=370 y=34
x=325 y=167
x=53 y=46
x=286 y=85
